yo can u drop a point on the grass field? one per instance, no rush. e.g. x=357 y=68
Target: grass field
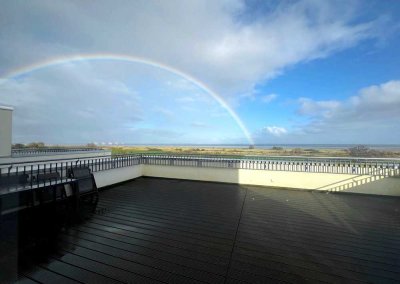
x=273 y=151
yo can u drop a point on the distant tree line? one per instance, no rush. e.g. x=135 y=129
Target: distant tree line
x=34 y=145
x=91 y=145
x=364 y=151
x=277 y=148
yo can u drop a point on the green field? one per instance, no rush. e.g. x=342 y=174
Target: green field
x=238 y=152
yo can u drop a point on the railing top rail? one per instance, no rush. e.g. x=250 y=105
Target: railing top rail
x=58 y=149
x=62 y=160
x=117 y=161
x=221 y=158
x=44 y=151
x=280 y=158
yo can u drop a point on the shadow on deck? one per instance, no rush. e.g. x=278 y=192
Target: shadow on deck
x=158 y=230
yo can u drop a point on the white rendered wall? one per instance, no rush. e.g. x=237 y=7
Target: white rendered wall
x=297 y=180
x=5 y=131
x=110 y=177
x=285 y=179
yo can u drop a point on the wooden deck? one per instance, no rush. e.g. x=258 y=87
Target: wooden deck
x=170 y=231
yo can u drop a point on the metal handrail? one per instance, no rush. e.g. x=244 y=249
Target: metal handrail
x=348 y=166
x=361 y=167
x=41 y=151
x=279 y=158
x=29 y=170
x=53 y=160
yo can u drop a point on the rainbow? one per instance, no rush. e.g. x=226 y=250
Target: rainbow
x=127 y=58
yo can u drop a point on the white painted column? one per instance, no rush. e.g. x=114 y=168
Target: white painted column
x=5 y=130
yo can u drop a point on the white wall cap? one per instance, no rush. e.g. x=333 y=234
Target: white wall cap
x=6 y=108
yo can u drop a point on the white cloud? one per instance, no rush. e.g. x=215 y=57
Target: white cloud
x=313 y=108
x=65 y=107
x=216 y=42
x=378 y=100
x=276 y=130
x=198 y=124
x=375 y=111
x=211 y=40
x=182 y=84
x=165 y=113
x=84 y=103
x=268 y=98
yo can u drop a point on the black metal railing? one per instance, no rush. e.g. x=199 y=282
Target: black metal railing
x=48 y=151
x=356 y=166
x=25 y=173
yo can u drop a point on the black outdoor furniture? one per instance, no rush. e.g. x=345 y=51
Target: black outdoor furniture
x=87 y=191
x=54 y=207
x=19 y=191
x=14 y=202
x=53 y=188
x=13 y=179
x=11 y=199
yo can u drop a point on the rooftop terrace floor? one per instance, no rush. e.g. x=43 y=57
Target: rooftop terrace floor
x=171 y=231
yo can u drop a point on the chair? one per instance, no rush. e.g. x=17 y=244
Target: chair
x=86 y=185
x=51 y=191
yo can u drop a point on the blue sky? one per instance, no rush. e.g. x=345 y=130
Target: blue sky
x=293 y=71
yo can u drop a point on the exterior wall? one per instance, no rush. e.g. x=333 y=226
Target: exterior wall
x=297 y=180
x=285 y=179
x=191 y=173
x=5 y=131
x=110 y=177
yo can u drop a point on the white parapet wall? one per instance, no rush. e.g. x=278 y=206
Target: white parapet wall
x=113 y=176
x=381 y=185
x=287 y=179
x=5 y=131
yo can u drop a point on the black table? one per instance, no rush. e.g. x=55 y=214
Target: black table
x=30 y=188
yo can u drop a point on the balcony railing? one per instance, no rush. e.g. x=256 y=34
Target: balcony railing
x=358 y=166
x=29 y=170
x=52 y=151
x=24 y=174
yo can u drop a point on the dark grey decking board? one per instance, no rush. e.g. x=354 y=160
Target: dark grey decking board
x=171 y=231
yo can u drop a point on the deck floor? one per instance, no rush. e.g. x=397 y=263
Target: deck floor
x=158 y=230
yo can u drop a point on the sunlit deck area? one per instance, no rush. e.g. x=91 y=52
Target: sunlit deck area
x=153 y=230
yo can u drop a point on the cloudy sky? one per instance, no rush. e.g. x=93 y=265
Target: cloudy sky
x=293 y=71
